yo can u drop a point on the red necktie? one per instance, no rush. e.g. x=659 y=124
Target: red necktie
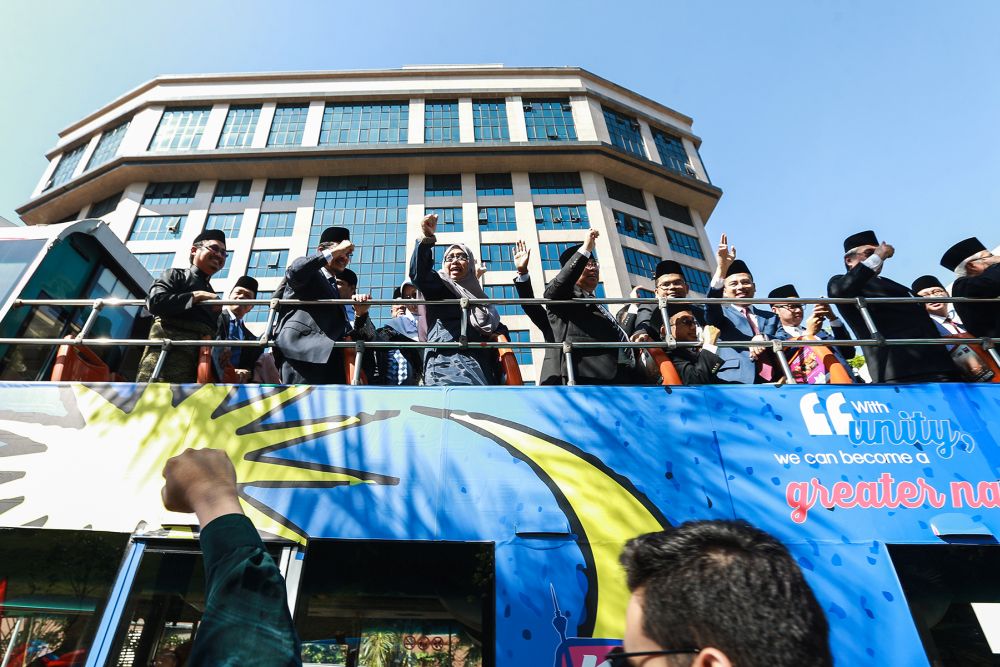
x=751 y=319
x=764 y=369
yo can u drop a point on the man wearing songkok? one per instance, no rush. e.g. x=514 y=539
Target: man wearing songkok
x=978 y=277
x=180 y=302
x=397 y=366
x=864 y=257
x=591 y=322
x=669 y=283
x=790 y=316
x=740 y=322
x=694 y=365
x=943 y=313
x=231 y=327
x=306 y=334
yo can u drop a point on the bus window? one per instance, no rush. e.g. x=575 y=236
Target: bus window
x=164 y=607
x=15 y=256
x=54 y=585
x=951 y=590
x=396 y=603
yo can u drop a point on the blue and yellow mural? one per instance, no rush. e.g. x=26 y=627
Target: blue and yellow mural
x=556 y=478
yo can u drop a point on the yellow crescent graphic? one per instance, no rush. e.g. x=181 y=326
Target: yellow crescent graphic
x=604 y=508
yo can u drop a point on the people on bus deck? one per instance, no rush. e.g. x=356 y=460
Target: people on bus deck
x=397 y=366
x=670 y=283
x=245 y=619
x=864 y=257
x=180 y=301
x=738 y=322
x=585 y=322
x=694 y=365
x=305 y=335
x=977 y=272
x=724 y=592
x=522 y=284
x=790 y=316
x=455 y=280
x=231 y=327
x=943 y=313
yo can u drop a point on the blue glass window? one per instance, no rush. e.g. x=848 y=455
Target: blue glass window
x=493 y=185
x=497 y=219
x=562 y=217
x=365 y=123
x=267 y=263
x=489 y=120
x=550 y=253
x=549 y=120
x=240 y=125
x=275 y=224
x=178 y=192
x=625 y=193
x=288 y=125
x=443 y=185
x=697 y=280
x=676 y=212
x=637 y=228
x=523 y=354
x=440 y=121
x=105 y=206
x=231 y=191
x=504 y=292
x=223 y=272
x=374 y=209
x=449 y=219
x=499 y=256
x=624 y=131
x=671 y=150
x=107 y=146
x=439 y=254
x=556 y=183
x=228 y=223
x=640 y=263
x=180 y=129
x=684 y=244
x=283 y=189
x=66 y=166
x=155 y=262
x=644 y=293
x=259 y=313
x=157 y=227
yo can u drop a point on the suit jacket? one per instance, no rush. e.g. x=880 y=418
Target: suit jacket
x=894 y=320
x=980 y=319
x=696 y=366
x=171 y=297
x=248 y=355
x=840 y=332
x=737 y=365
x=535 y=313
x=581 y=323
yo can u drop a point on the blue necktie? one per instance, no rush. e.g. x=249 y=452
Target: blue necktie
x=235 y=333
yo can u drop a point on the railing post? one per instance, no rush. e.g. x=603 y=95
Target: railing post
x=463 y=338
x=991 y=349
x=272 y=315
x=869 y=322
x=776 y=346
x=164 y=348
x=359 y=351
x=668 y=334
x=91 y=320
x=570 y=374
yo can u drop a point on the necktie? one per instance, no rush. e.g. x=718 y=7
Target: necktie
x=751 y=319
x=950 y=325
x=235 y=333
x=626 y=355
x=764 y=369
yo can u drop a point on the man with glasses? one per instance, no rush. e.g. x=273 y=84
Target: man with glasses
x=977 y=272
x=694 y=365
x=180 y=302
x=864 y=257
x=719 y=593
x=790 y=315
x=669 y=283
x=943 y=313
x=591 y=322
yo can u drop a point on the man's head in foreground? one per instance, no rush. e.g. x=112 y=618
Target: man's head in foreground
x=720 y=594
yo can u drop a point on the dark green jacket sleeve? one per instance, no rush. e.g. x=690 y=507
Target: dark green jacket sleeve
x=246 y=621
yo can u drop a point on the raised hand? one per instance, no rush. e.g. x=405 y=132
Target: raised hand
x=725 y=253
x=429 y=224
x=588 y=245
x=361 y=304
x=201 y=481
x=709 y=334
x=522 y=253
x=345 y=247
x=885 y=251
x=481 y=269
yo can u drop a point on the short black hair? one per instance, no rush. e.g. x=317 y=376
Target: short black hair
x=730 y=586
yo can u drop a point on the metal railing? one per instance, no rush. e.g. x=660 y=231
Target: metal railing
x=567 y=347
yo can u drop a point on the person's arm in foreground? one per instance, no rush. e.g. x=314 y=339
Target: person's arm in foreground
x=246 y=621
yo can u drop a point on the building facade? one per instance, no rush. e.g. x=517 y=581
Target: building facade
x=501 y=154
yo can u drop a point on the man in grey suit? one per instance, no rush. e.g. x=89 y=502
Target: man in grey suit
x=745 y=365
x=864 y=257
x=306 y=334
x=578 y=278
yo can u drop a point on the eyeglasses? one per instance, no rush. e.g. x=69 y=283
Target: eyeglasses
x=685 y=322
x=593 y=262
x=217 y=249
x=789 y=306
x=617 y=657
x=457 y=257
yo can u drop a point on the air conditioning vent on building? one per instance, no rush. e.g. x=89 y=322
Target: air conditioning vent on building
x=689 y=168
x=528 y=107
x=172 y=227
x=567 y=107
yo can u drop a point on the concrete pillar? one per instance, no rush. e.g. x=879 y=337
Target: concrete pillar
x=263 y=125
x=140 y=131
x=213 y=128
x=597 y=116
x=694 y=161
x=650 y=144
x=416 y=129
x=466 y=129
x=515 y=119
x=314 y=122
x=583 y=118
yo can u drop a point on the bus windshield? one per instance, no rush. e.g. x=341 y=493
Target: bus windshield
x=15 y=257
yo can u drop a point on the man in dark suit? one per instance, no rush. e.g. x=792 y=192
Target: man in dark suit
x=733 y=280
x=978 y=277
x=790 y=316
x=670 y=283
x=864 y=256
x=231 y=327
x=694 y=365
x=306 y=334
x=590 y=322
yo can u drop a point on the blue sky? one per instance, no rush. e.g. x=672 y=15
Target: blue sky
x=819 y=119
